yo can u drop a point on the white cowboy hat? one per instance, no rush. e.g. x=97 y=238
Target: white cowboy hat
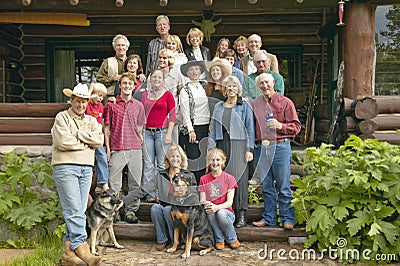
x=80 y=90
x=222 y=63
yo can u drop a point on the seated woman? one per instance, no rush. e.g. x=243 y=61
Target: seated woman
x=217 y=189
x=175 y=161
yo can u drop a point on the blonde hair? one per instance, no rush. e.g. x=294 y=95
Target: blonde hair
x=194 y=32
x=169 y=54
x=218 y=52
x=238 y=39
x=172 y=148
x=211 y=153
x=96 y=88
x=236 y=81
x=175 y=39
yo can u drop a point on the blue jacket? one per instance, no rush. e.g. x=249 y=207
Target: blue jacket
x=241 y=124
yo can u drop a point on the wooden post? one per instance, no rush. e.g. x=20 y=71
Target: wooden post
x=359 y=49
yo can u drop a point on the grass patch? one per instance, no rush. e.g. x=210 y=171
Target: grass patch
x=48 y=252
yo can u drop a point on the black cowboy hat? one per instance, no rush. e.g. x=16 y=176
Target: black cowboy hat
x=186 y=66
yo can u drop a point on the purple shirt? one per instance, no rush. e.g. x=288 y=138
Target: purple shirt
x=284 y=111
x=124 y=119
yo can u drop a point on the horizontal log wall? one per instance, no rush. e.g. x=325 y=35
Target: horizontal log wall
x=28 y=123
x=277 y=28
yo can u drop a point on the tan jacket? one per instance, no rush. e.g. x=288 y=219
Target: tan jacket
x=245 y=60
x=108 y=69
x=75 y=138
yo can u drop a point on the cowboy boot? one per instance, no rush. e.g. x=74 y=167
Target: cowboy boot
x=242 y=220
x=83 y=252
x=69 y=257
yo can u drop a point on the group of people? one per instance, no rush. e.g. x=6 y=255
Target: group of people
x=221 y=121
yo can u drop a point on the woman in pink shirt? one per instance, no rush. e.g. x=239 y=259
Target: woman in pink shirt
x=159 y=105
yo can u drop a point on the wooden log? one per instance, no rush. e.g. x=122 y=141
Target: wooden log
x=26 y=139
x=390 y=136
x=322 y=126
x=26 y=125
x=366 y=127
x=388 y=104
x=146 y=231
x=387 y=121
x=350 y=123
x=31 y=109
x=358 y=34
x=347 y=102
x=365 y=108
x=322 y=111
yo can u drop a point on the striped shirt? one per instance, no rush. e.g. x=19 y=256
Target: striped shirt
x=124 y=119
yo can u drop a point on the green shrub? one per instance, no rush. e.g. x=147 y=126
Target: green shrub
x=254 y=198
x=350 y=198
x=27 y=197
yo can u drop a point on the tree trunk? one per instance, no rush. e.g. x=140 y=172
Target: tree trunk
x=359 y=49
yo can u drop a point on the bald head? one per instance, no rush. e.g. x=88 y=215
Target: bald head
x=265 y=83
x=255 y=43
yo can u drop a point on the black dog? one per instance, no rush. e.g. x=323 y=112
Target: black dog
x=190 y=219
x=100 y=216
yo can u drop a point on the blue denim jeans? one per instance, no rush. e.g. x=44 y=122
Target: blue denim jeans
x=154 y=150
x=273 y=164
x=101 y=165
x=162 y=220
x=222 y=223
x=73 y=185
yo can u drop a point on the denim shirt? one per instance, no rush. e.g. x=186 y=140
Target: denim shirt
x=241 y=124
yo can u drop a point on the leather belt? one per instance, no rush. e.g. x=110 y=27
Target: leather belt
x=154 y=129
x=268 y=142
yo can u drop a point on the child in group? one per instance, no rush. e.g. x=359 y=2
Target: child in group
x=217 y=189
x=95 y=108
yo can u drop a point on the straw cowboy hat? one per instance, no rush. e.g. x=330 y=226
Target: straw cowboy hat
x=80 y=90
x=222 y=63
x=185 y=67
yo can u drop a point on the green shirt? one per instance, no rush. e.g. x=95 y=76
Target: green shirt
x=250 y=90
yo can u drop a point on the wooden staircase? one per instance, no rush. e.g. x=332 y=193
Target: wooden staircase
x=144 y=230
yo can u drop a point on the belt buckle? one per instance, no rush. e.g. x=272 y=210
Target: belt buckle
x=265 y=142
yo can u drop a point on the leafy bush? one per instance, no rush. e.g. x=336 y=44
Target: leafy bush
x=254 y=197
x=26 y=199
x=351 y=195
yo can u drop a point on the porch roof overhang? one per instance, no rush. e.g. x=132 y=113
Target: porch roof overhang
x=131 y=7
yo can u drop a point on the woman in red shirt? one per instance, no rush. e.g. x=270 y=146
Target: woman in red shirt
x=159 y=106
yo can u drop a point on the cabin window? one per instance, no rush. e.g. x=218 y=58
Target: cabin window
x=387 y=37
x=70 y=61
x=290 y=59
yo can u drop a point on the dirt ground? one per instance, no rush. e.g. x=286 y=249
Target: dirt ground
x=249 y=253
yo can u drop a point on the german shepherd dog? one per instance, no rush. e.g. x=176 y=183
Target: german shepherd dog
x=99 y=218
x=190 y=222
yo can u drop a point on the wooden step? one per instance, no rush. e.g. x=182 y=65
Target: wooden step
x=253 y=214
x=146 y=231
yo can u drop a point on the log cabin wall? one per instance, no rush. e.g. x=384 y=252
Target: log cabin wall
x=277 y=28
x=11 y=45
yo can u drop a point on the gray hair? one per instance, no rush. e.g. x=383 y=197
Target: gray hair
x=120 y=36
x=262 y=52
x=162 y=17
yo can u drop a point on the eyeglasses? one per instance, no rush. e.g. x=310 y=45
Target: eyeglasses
x=259 y=62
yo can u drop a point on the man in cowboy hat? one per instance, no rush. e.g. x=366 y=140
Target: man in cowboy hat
x=75 y=138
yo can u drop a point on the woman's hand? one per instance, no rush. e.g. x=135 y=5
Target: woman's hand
x=167 y=138
x=192 y=137
x=210 y=207
x=249 y=156
x=142 y=77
